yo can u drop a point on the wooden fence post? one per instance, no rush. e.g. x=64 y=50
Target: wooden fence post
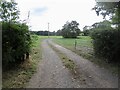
x=75 y=44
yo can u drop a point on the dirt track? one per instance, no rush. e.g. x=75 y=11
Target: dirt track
x=51 y=72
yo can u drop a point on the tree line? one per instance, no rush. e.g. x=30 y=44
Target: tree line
x=44 y=33
x=69 y=30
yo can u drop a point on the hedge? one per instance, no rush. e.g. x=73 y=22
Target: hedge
x=107 y=44
x=15 y=43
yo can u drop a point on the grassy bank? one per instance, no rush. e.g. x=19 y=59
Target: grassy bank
x=84 y=48
x=20 y=75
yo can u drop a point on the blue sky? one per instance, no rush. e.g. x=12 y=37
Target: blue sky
x=57 y=13
x=39 y=11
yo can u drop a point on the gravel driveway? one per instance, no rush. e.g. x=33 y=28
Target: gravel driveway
x=51 y=72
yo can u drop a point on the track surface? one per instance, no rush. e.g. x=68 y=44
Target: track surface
x=51 y=72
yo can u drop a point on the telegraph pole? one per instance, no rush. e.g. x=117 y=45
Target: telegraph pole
x=48 y=30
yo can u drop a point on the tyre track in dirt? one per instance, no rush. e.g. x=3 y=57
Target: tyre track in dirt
x=51 y=73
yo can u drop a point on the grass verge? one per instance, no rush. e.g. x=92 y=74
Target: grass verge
x=20 y=75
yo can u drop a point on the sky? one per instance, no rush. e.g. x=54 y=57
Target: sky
x=57 y=13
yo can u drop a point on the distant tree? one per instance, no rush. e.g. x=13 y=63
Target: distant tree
x=86 y=30
x=59 y=33
x=52 y=33
x=102 y=25
x=70 y=30
x=44 y=33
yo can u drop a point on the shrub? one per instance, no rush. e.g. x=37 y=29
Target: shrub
x=107 y=44
x=16 y=42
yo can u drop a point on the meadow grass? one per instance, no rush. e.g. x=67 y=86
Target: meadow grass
x=83 y=47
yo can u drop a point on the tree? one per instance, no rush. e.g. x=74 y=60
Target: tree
x=9 y=11
x=58 y=33
x=102 y=25
x=70 y=30
x=105 y=41
x=86 y=30
x=105 y=8
x=111 y=9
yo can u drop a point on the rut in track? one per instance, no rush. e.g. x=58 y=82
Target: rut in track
x=51 y=72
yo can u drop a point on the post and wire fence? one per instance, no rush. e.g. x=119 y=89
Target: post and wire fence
x=75 y=44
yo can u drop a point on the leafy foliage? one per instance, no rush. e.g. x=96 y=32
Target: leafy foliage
x=102 y=25
x=107 y=44
x=106 y=40
x=70 y=30
x=9 y=11
x=106 y=8
x=59 y=33
x=16 y=39
x=16 y=42
x=86 y=30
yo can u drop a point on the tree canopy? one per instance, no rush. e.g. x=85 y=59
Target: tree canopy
x=9 y=11
x=111 y=9
x=105 y=38
x=106 y=8
x=70 y=30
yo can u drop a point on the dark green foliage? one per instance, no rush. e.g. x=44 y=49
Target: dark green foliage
x=43 y=33
x=59 y=33
x=16 y=42
x=107 y=44
x=102 y=25
x=15 y=35
x=8 y=10
x=106 y=40
x=86 y=30
x=106 y=8
x=70 y=30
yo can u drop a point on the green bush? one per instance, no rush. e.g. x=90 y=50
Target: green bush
x=107 y=44
x=15 y=43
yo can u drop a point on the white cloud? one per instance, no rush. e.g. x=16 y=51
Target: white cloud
x=57 y=12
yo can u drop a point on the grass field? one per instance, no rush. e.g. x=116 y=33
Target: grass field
x=83 y=47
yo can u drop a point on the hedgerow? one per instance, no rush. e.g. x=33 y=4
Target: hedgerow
x=15 y=43
x=107 y=44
